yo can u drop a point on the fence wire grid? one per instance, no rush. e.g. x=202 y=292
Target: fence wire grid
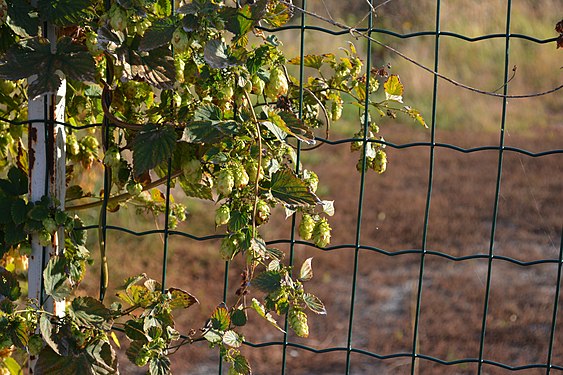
x=351 y=350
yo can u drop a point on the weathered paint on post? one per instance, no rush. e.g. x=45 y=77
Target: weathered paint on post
x=47 y=176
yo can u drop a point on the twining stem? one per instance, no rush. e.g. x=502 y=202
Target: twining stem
x=122 y=197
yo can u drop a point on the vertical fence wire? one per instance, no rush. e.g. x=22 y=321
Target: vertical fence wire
x=497 y=191
x=423 y=252
x=357 y=243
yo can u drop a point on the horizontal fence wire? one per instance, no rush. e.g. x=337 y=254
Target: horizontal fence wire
x=358 y=247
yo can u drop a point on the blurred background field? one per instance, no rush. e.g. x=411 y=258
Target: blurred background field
x=529 y=218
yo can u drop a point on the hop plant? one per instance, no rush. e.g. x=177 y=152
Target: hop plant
x=230 y=246
x=262 y=212
x=49 y=225
x=321 y=233
x=278 y=84
x=258 y=85
x=312 y=180
x=72 y=145
x=379 y=163
x=225 y=182
x=298 y=322
x=336 y=109
x=306 y=227
x=191 y=170
x=134 y=188
x=180 y=40
x=118 y=18
x=222 y=215
x=240 y=176
x=112 y=157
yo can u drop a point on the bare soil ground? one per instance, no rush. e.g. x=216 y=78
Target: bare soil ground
x=519 y=318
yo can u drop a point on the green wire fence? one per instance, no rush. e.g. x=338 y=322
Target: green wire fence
x=352 y=350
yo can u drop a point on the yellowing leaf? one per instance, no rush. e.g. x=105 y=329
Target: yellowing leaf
x=394 y=88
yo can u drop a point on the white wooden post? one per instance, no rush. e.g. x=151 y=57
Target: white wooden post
x=46 y=141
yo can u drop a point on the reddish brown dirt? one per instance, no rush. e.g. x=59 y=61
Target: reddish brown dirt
x=519 y=317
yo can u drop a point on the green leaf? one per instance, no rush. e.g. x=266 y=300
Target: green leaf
x=208 y=112
x=314 y=303
x=221 y=319
x=159 y=365
x=5 y=206
x=159 y=34
x=217 y=56
x=261 y=310
x=297 y=128
x=19 y=333
x=239 y=318
x=276 y=130
x=152 y=145
x=306 y=272
x=18 y=211
x=13 y=366
x=62 y=12
x=267 y=281
x=181 y=299
x=288 y=188
x=38 y=212
x=46 y=328
x=241 y=365
x=137 y=354
x=23 y=16
x=134 y=330
x=14 y=234
x=238 y=220
x=232 y=339
x=16 y=184
x=55 y=279
x=155 y=67
x=393 y=88
x=89 y=312
x=102 y=357
x=9 y=285
x=328 y=207
x=311 y=61
x=195 y=190
x=209 y=131
x=138 y=295
x=26 y=59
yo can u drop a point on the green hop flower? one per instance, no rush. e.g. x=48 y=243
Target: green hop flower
x=306 y=227
x=191 y=170
x=298 y=322
x=312 y=180
x=278 y=84
x=230 y=246
x=252 y=170
x=222 y=215
x=92 y=43
x=225 y=182
x=379 y=163
x=262 y=212
x=72 y=146
x=112 y=157
x=118 y=18
x=180 y=40
x=336 y=109
x=45 y=238
x=258 y=85
x=50 y=225
x=321 y=233
x=90 y=144
x=134 y=188
x=240 y=176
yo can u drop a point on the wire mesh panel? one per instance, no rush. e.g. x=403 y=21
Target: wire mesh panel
x=450 y=263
